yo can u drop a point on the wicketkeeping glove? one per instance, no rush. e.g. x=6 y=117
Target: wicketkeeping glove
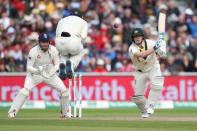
x=41 y=70
x=47 y=71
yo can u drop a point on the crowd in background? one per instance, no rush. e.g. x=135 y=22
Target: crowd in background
x=21 y=21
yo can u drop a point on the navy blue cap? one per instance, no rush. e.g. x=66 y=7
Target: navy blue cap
x=43 y=37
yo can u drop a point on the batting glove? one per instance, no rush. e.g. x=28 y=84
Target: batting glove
x=157 y=45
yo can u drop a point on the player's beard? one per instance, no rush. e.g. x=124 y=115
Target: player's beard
x=44 y=47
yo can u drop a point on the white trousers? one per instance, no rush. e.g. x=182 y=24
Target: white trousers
x=30 y=82
x=156 y=83
x=54 y=81
x=75 y=59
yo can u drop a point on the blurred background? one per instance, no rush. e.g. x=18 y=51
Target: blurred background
x=22 y=20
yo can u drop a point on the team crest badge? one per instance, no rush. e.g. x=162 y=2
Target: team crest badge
x=38 y=56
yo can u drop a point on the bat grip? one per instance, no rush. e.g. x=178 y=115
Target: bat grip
x=161 y=35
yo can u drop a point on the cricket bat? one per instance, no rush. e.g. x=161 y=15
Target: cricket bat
x=161 y=29
x=162 y=24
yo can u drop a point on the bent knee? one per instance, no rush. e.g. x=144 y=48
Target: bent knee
x=157 y=82
x=65 y=93
x=25 y=91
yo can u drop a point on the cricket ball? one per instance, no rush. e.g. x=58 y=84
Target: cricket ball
x=116 y=25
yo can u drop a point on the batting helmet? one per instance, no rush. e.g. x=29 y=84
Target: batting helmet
x=137 y=32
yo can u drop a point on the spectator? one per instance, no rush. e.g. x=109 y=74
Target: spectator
x=21 y=21
x=100 y=66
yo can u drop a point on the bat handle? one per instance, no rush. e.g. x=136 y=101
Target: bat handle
x=161 y=35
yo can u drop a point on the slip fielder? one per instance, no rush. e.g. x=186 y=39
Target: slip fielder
x=71 y=31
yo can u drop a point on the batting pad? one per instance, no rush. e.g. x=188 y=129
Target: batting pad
x=64 y=102
x=140 y=101
x=153 y=97
x=18 y=102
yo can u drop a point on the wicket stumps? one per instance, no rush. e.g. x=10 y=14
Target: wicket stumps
x=75 y=85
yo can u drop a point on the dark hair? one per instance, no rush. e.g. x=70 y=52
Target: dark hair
x=76 y=13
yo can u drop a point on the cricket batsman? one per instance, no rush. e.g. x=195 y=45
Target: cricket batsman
x=42 y=64
x=143 y=53
x=71 y=31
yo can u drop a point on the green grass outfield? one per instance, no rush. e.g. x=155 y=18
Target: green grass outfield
x=100 y=120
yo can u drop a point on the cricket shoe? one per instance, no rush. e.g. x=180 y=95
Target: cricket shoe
x=145 y=115
x=12 y=114
x=62 y=73
x=69 y=69
x=67 y=115
x=150 y=109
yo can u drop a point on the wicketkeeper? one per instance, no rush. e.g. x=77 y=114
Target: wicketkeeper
x=42 y=64
x=143 y=53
